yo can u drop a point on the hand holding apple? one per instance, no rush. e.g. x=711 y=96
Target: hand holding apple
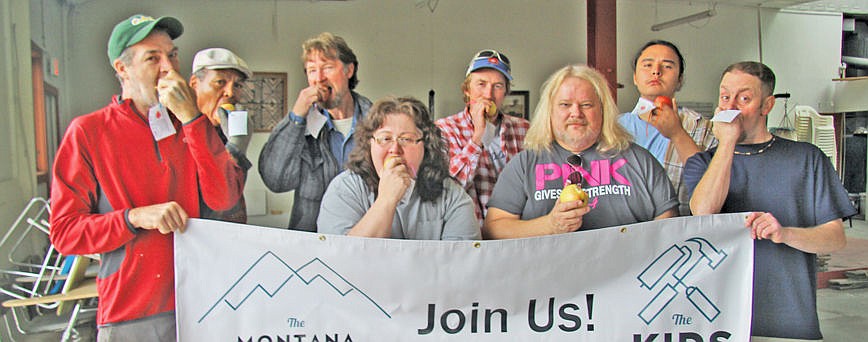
x=491 y=111
x=572 y=193
x=568 y=213
x=665 y=118
x=663 y=101
x=394 y=179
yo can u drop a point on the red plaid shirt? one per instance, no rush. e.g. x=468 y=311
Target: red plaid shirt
x=471 y=164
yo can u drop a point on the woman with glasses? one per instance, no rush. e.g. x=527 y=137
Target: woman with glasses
x=397 y=182
x=575 y=138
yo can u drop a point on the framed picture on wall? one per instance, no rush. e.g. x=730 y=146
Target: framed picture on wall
x=517 y=103
x=264 y=98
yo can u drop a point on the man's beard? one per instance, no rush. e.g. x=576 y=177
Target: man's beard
x=333 y=101
x=587 y=138
x=145 y=96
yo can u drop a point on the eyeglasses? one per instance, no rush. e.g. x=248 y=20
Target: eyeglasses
x=575 y=176
x=486 y=54
x=403 y=141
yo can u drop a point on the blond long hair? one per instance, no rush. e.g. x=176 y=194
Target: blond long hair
x=540 y=135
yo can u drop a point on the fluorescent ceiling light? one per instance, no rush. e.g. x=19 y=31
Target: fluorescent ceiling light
x=684 y=20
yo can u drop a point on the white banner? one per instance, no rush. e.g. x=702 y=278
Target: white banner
x=682 y=279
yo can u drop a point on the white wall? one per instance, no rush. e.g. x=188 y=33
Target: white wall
x=18 y=166
x=402 y=49
x=803 y=49
x=407 y=50
x=804 y=66
x=708 y=45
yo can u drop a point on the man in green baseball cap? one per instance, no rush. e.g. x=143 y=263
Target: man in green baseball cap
x=139 y=77
x=137 y=27
x=126 y=179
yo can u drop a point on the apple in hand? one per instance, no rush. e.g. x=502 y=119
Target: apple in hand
x=662 y=101
x=491 y=111
x=572 y=193
x=386 y=161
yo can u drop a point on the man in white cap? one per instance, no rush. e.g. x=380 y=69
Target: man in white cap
x=481 y=138
x=126 y=178
x=218 y=76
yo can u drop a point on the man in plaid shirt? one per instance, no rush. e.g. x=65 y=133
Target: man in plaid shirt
x=671 y=136
x=481 y=139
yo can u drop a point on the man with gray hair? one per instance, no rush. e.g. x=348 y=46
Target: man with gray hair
x=126 y=178
x=218 y=77
x=309 y=147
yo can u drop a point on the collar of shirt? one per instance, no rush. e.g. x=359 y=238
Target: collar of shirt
x=357 y=112
x=315 y=124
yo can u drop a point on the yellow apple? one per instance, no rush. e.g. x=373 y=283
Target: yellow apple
x=572 y=193
x=386 y=161
x=492 y=110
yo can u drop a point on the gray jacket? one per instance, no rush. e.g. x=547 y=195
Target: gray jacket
x=293 y=159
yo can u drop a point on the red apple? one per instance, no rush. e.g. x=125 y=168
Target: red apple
x=662 y=101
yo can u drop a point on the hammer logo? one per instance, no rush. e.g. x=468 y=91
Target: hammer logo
x=666 y=275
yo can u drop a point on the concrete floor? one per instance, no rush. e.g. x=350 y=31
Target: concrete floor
x=844 y=313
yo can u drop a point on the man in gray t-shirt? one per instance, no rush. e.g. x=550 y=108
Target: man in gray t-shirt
x=622 y=189
x=575 y=138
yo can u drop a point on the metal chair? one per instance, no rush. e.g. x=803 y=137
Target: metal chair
x=34 y=277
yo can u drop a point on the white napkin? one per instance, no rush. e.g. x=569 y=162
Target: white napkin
x=643 y=106
x=315 y=122
x=161 y=124
x=237 y=123
x=726 y=115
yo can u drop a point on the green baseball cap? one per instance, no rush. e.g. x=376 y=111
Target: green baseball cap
x=135 y=28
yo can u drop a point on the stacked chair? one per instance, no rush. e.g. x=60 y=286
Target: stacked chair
x=38 y=284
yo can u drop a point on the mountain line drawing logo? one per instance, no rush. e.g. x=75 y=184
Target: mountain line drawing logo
x=264 y=276
x=670 y=269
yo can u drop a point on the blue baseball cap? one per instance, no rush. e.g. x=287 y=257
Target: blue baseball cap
x=490 y=59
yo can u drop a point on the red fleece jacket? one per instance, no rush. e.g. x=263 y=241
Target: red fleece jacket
x=109 y=163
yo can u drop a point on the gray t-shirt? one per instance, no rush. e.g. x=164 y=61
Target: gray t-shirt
x=795 y=182
x=624 y=188
x=450 y=217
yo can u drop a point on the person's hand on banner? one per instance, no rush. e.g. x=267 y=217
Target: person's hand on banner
x=764 y=226
x=566 y=217
x=166 y=217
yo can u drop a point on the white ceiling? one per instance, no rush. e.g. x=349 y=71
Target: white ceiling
x=838 y=6
x=859 y=7
x=841 y=6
